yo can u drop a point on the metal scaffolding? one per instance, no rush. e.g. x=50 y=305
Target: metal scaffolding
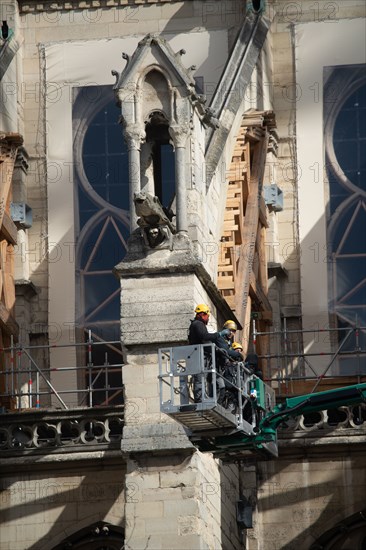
x=289 y=358
x=26 y=383
x=288 y=355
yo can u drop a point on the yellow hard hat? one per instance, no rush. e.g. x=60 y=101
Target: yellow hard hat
x=236 y=345
x=231 y=325
x=202 y=308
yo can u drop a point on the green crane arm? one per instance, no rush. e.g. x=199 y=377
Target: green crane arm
x=312 y=402
x=266 y=437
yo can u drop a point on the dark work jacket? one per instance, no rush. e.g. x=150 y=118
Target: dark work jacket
x=232 y=353
x=236 y=355
x=198 y=333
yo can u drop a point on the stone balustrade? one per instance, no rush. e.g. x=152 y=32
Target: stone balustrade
x=78 y=429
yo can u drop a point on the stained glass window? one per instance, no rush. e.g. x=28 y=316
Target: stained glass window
x=345 y=137
x=101 y=226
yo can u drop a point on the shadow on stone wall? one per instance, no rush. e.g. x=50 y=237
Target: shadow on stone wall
x=66 y=503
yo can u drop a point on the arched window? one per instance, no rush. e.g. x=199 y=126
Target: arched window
x=157 y=136
x=345 y=139
x=101 y=226
x=157 y=153
x=346 y=535
x=99 y=536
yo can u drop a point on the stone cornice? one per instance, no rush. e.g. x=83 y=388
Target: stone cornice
x=180 y=260
x=29 y=6
x=304 y=438
x=58 y=460
x=326 y=437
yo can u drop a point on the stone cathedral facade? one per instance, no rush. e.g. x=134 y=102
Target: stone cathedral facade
x=156 y=155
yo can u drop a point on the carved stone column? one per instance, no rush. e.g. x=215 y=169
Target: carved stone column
x=134 y=135
x=179 y=135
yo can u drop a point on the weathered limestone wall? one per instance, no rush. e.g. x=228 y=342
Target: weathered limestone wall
x=204 y=207
x=313 y=495
x=180 y=498
x=41 y=506
x=176 y=502
x=158 y=308
x=177 y=498
x=314 y=484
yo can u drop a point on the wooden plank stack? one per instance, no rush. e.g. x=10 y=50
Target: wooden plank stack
x=9 y=143
x=242 y=268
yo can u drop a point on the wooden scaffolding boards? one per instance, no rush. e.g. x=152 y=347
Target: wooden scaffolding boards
x=9 y=144
x=242 y=269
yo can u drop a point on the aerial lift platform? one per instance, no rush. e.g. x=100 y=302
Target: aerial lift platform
x=245 y=421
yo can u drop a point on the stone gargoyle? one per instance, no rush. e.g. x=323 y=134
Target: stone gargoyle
x=154 y=220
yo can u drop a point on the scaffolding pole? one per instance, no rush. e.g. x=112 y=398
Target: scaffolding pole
x=287 y=358
x=23 y=374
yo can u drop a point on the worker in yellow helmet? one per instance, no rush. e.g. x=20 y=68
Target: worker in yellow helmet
x=238 y=348
x=235 y=354
x=231 y=325
x=198 y=333
x=228 y=332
